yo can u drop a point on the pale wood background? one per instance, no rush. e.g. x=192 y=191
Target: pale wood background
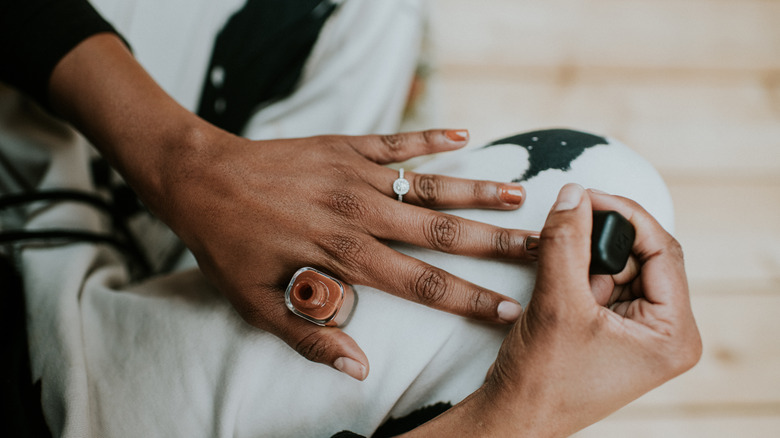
x=694 y=86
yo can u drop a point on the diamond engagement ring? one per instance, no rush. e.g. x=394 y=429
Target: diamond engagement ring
x=401 y=185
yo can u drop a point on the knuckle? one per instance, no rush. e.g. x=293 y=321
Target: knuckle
x=502 y=242
x=314 y=347
x=675 y=249
x=427 y=188
x=429 y=136
x=333 y=144
x=563 y=234
x=393 y=142
x=430 y=286
x=347 y=249
x=482 y=190
x=479 y=301
x=635 y=206
x=346 y=204
x=443 y=232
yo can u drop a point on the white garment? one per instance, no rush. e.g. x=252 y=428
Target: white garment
x=170 y=357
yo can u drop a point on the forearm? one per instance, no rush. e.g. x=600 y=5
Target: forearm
x=102 y=90
x=485 y=414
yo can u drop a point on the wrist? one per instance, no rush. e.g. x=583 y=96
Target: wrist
x=171 y=156
x=489 y=413
x=143 y=132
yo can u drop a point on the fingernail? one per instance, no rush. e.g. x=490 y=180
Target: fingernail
x=569 y=197
x=600 y=192
x=457 y=136
x=532 y=246
x=509 y=311
x=511 y=193
x=350 y=367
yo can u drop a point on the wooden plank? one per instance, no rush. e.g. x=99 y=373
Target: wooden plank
x=721 y=34
x=712 y=123
x=730 y=232
x=719 y=426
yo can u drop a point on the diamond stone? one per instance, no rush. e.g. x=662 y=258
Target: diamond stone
x=401 y=186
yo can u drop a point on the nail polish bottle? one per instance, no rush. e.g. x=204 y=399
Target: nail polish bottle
x=319 y=298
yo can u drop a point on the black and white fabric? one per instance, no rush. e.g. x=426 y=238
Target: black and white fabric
x=258 y=57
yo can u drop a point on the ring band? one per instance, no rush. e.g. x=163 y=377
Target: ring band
x=401 y=185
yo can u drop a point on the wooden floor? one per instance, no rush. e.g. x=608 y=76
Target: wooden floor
x=694 y=86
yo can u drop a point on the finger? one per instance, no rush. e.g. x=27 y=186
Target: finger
x=608 y=289
x=650 y=235
x=393 y=148
x=658 y=253
x=452 y=234
x=436 y=191
x=564 y=253
x=406 y=277
x=326 y=345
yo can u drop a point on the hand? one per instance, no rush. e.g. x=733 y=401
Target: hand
x=255 y=212
x=585 y=346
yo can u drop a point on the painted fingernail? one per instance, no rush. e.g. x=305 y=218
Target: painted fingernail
x=569 y=197
x=350 y=367
x=511 y=193
x=509 y=311
x=458 y=136
x=532 y=246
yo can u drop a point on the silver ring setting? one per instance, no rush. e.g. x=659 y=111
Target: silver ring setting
x=401 y=185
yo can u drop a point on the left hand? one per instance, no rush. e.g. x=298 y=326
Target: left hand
x=253 y=212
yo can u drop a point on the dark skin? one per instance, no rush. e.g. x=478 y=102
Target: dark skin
x=253 y=212
x=586 y=345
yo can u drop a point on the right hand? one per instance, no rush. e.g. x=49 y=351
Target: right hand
x=586 y=345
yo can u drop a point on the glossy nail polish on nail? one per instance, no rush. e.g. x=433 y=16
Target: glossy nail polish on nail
x=511 y=193
x=531 y=245
x=457 y=135
x=319 y=298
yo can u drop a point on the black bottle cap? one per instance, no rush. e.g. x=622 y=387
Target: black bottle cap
x=611 y=242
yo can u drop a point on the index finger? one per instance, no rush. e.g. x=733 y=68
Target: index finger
x=394 y=148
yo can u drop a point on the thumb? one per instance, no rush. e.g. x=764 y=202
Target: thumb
x=564 y=253
x=327 y=345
